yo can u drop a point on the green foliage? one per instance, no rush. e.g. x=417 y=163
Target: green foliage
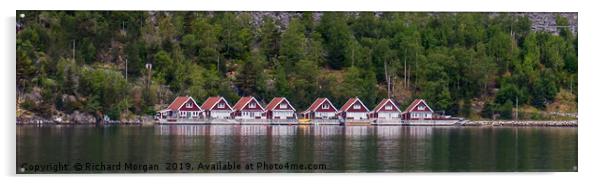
x=451 y=60
x=544 y=90
x=25 y=67
x=510 y=92
x=293 y=43
x=106 y=86
x=336 y=34
x=270 y=37
x=282 y=84
x=305 y=83
x=438 y=95
x=505 y=110
x=250 y=79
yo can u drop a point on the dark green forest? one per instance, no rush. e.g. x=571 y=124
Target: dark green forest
x=467 y=64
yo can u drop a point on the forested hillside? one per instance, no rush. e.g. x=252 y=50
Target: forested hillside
x=466 y=64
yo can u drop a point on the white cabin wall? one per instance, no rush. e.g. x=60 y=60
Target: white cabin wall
x=324 y=114
x=282 y=114
x=220 y=114
x=387 y=115
x=357 y=115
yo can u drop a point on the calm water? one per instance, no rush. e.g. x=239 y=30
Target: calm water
x=327 y=148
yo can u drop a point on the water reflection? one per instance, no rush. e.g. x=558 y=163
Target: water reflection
x=352 y=148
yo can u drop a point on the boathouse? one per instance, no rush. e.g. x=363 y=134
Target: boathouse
x=354 y=109
x=280 y=108
x=248 y=108
x=217 y=107
x=322 y=108
x=183 y=107
x=418 y=110
x=386 y=110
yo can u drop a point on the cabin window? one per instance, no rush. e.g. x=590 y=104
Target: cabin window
x=356 y=106
x=221 y=105
x=388 y=107
x=188 y=105
x=283 y=106
x=325 y=106
x=421 y=107
x=252 y=105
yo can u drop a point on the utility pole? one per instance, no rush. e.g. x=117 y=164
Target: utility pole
x=149 y=68
x=123 y=29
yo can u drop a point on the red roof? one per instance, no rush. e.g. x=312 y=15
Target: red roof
x=415 y=103
x=317 y=103
x=276 y=101
x=273 y=103
x=383 y=103
x=210 y=102
x=177 y=103
x=350 y=102
x=244 y=101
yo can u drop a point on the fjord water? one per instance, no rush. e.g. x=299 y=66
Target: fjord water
x=339 y=148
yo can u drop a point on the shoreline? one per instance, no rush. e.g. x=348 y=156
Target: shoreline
x=467 y=123
x=523 y=123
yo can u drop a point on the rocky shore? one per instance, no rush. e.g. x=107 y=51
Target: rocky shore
x=77 y=118
x=568 y=123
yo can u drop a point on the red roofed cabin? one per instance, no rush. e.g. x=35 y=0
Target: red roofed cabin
x=354 y=109
x=418 y=110
x=182 y=107
x=386 y=110
x=217 y=107
x=322 y=108
x=248 y=108
x=280 y=108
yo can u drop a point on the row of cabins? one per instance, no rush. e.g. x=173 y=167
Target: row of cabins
x=185 y=107
x=279 y=108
